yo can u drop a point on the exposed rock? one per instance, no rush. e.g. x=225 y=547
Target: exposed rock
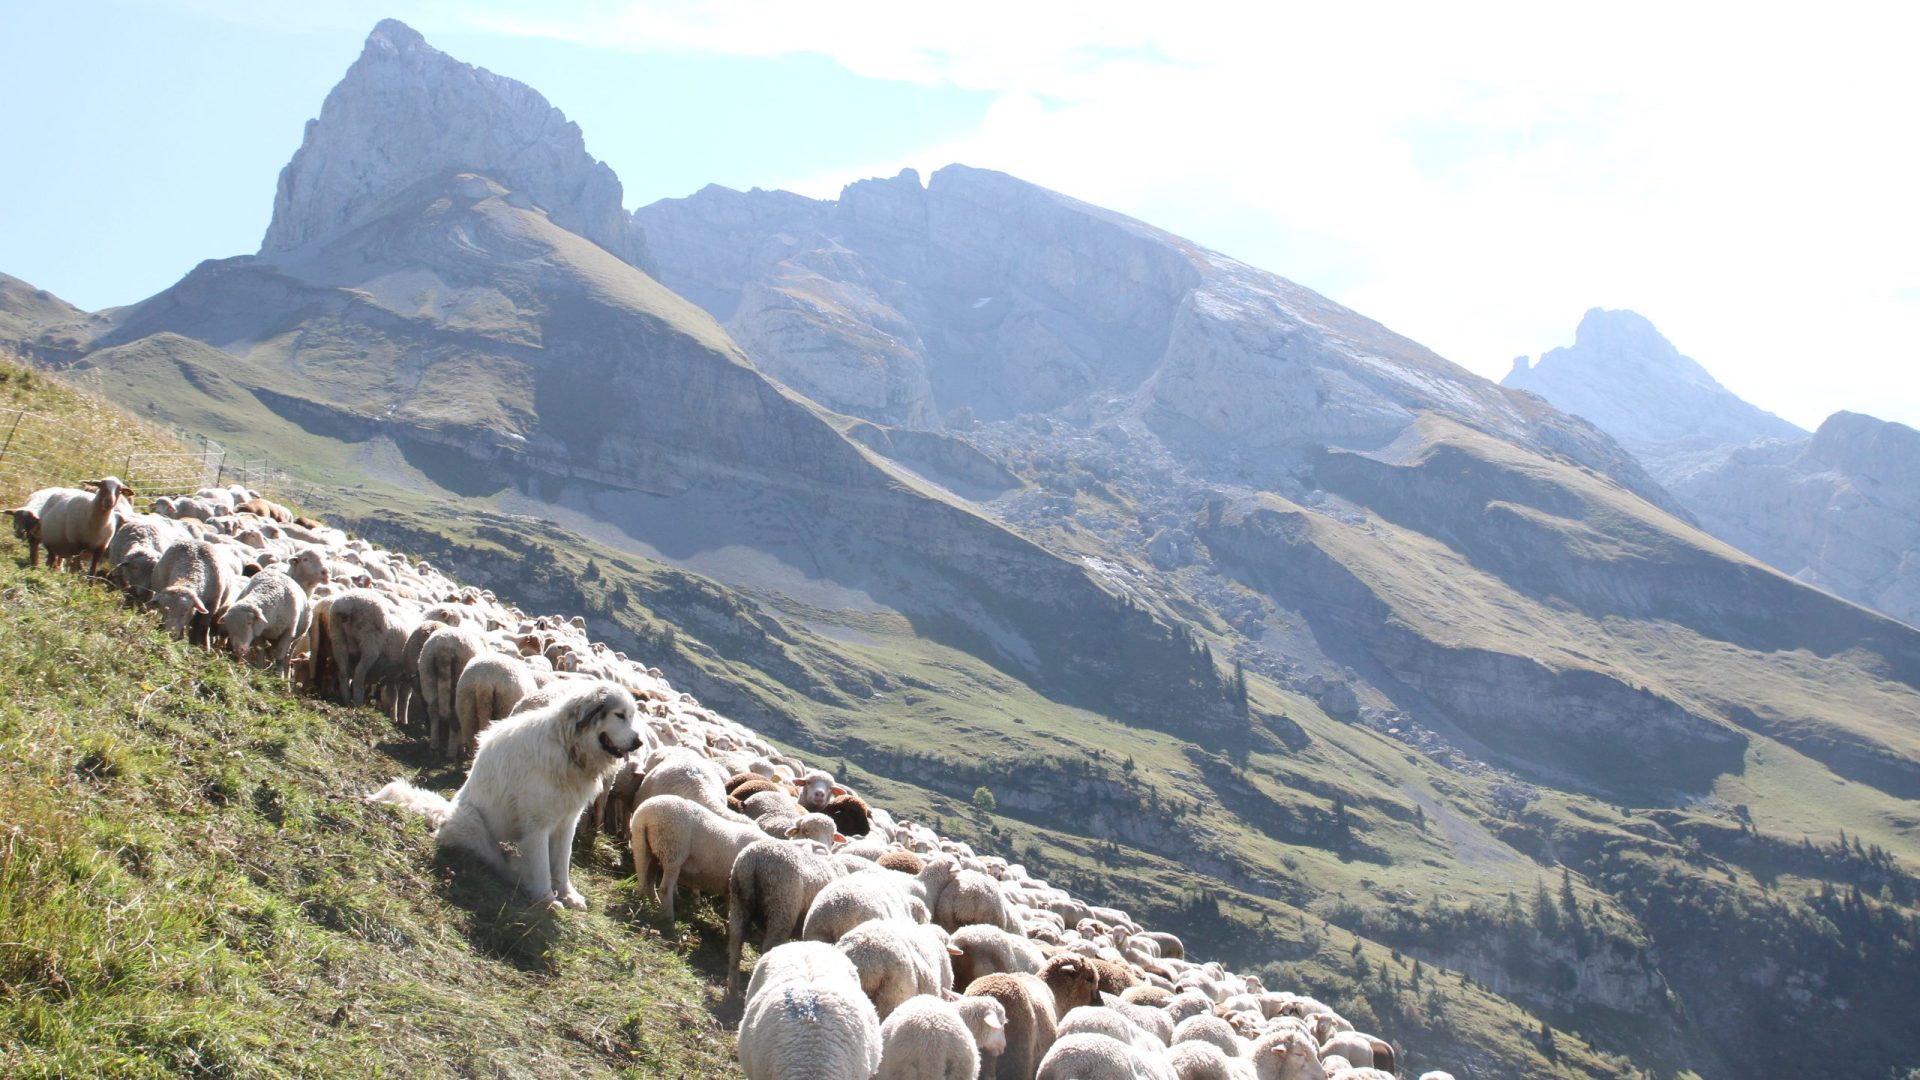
x=1630 y=381
x=1840 y=510
x=406 y=112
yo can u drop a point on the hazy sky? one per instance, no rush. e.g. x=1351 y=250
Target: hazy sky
x=1475 y=178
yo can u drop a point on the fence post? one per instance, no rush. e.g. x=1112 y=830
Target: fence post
x=17 y=417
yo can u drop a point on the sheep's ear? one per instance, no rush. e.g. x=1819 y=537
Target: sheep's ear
x=838 y=839
x=955 y=950
x=198 y=607
x=993 y=1020
x=838 y=790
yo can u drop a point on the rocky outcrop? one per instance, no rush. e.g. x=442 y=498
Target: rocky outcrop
x=1840 y=510
x=1621 y=374
x=406 y=112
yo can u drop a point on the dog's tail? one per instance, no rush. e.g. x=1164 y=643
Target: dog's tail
x=434 y=807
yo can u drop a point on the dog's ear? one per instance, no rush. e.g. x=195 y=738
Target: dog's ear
x=591 y=710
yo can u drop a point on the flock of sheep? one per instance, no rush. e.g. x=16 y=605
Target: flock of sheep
x=886 y=949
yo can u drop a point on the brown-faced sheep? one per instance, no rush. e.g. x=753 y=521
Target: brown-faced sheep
x=850 y=814
x=1034 y=1004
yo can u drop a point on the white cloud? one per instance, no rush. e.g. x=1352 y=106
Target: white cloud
x=1474 y=179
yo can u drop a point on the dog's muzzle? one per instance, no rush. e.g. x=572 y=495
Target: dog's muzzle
x=614 y=751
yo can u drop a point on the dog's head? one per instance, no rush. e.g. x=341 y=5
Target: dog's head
x=605 y=723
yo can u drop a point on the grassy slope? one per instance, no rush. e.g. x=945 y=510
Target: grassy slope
x=189 y=885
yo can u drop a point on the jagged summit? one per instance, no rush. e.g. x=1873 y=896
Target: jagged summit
x=406 y=111
x=1622 y=374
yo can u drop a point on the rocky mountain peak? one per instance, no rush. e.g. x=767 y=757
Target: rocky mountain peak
x=1879 y=450
x=406 y=111
x=1622 y=374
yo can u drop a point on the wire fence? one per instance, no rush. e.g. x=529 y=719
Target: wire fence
x=39 y=451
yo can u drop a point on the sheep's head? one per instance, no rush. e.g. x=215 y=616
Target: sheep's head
x=817 y=788
x=1073 y=980
x=26 y=523
x=816 y=827
x=986 y=1017
x=243 y=626
x=178 y=605
x=1287 y=1053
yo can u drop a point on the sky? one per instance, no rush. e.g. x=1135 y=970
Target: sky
x=1475 y=176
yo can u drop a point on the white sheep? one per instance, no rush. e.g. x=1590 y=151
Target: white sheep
x=897 y=960
x=1089 y=1055
x=983 y=950
x=443 y=656
x=816 y=788
x=271 y=612
x=685 y=773
x=1208 y=1028
x=490 y=685
x=772 y=881
x=929 y=1038
x=193 y=584
x=72 y=522
x=800 y=961
x=367 y=637
x=1110 y=1022
x=693 y=845
x=1363 y=1050
x=135 y=550
x=823 y=1029
x=849 y=901
x=1205 y=1061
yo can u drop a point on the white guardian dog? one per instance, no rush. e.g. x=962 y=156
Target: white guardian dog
x=532 y=776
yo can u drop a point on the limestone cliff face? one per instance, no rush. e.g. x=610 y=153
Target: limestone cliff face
x=1840 y=510
x=981 y=296
x=1625 y=377
x=405 y=112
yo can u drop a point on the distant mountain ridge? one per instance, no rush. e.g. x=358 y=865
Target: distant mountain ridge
x=1836 y=509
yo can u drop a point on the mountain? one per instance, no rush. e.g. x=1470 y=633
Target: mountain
x=1840 y=510
x=980 y=296
x=1630 y=381
x=406 y=113
x=1255 y=616
x=1834 y=509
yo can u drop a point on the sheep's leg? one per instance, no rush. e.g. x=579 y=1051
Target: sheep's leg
x=668 y=882
x=282 y=654
x=736 y=937
x=93 y=566
x=642 y=860
x=560 y=851
x=362 y=675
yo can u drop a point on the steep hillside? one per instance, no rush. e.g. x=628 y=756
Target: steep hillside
x=189 y=886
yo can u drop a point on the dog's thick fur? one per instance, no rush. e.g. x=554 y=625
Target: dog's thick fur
x=531 y=777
